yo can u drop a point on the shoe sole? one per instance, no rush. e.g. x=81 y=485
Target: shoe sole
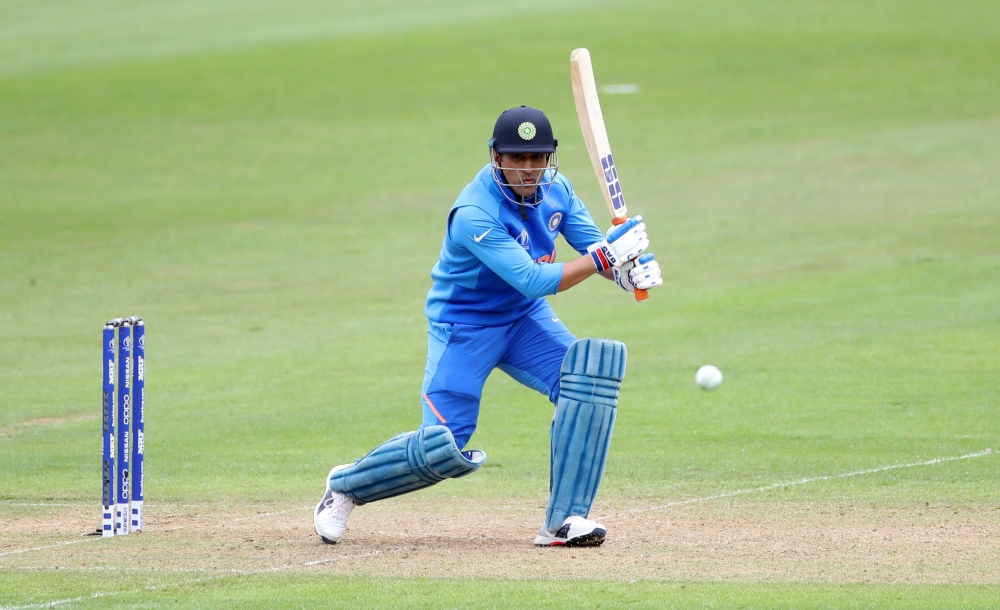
x=594 y=538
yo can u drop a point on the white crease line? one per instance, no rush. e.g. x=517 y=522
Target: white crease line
x=341 y=558
x=51 y=546
x=47 y=504
x=221 y=571
x=57 y=602
x=157 y=505
x=280 y=512
x=263 y=516
x=250 y=518
x=844 y=475
x=138 y=570
x=148 y=512
x=727 y=494
x=60 y=602
x=215 y=506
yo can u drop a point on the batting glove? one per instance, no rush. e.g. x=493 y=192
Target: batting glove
x=642 y=273
x=624 y=242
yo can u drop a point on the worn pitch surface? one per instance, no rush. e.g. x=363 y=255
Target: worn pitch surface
x=725 y=540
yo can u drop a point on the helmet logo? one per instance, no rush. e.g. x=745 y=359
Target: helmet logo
x=526 y=130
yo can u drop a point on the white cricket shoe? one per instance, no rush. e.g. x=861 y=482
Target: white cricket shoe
x=330 y=518
x=575 y=531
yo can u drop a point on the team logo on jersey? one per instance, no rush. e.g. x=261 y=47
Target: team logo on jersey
x=555 y=220
x=524 y=240
x=526 y=130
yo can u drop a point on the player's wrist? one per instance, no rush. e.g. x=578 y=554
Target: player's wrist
x=602 y=259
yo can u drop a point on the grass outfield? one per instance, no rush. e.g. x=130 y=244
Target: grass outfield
x=312 y=591
x=266 y=184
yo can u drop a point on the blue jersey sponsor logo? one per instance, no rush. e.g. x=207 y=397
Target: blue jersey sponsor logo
x=547 y=258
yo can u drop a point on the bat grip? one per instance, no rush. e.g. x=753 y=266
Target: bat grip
x=640 y=294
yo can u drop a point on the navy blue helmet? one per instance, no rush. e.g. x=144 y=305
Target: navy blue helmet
x=523 y=130
x=526 y=131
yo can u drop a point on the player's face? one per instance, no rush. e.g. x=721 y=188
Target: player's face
x=522 y=171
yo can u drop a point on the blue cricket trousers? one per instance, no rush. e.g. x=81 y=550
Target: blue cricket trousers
x=460 y=357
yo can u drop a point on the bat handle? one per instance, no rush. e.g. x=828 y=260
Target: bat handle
x=640 y=294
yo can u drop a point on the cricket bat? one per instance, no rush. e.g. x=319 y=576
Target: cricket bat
x=588 y=109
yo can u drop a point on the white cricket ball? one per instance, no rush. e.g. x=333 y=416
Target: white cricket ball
x=708 y=377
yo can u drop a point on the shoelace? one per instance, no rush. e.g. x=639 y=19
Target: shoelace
x=345 y=509
x=346 y=506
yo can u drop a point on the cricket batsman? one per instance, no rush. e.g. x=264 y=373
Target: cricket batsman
x=486 y=309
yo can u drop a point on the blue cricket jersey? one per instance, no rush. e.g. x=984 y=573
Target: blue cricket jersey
x=495 y=266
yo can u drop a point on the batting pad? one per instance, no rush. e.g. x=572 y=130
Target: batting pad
x=408 y=462
x=591 y=374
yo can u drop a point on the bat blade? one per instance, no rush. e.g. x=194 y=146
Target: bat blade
x=588 y=110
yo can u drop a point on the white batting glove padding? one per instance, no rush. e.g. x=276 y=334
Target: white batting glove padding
x=623 y=243
x=642 y=273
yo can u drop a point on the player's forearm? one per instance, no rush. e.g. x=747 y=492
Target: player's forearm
x=576 y=271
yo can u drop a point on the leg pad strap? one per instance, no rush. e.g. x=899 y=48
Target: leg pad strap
x=405 y=463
